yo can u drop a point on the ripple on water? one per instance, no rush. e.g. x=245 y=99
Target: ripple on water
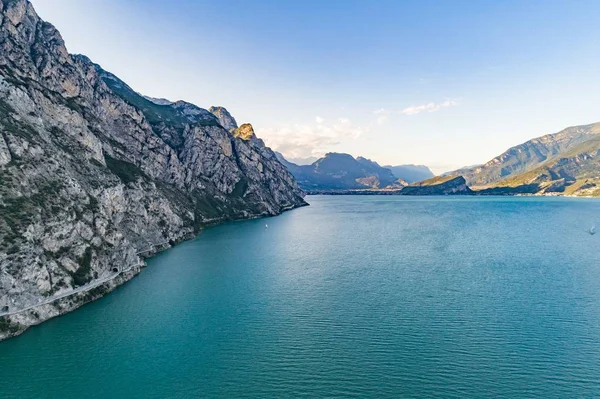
x=350 y=297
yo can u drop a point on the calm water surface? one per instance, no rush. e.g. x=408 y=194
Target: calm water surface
x=353 y=296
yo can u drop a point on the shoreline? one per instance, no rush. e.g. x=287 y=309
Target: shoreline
x=94 y=291
x=473 y=194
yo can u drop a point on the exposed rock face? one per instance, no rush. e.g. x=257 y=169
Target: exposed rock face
x=224 y=117
x=573 y=172
x=93 y=175
x=531 y=154
x=563 y=163
x=245 y=132
x=441 y=185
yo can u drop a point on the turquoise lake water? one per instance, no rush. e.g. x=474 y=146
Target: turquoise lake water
x=354 y=296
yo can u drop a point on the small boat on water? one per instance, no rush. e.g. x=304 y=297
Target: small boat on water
x=592 y=230
x=266 y=226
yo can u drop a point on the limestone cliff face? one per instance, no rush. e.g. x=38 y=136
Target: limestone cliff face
x=93 y=175
x=224 y=117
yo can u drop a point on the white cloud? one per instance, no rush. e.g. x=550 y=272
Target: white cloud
x=430 y=107
x=383 y=114
x=301 y=141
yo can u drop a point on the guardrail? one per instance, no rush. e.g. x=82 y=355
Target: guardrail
x=83 y=288
x=86 y=287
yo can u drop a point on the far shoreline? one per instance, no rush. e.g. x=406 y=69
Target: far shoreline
x=474 y=194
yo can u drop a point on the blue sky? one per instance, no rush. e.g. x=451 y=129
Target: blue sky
x=441 y=83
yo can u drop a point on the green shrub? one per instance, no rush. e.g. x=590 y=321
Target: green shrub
x=82 y=274
x=126 y=171
x=7 y=326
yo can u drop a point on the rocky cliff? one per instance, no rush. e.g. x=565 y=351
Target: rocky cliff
x=94 y=176
x=224 y=117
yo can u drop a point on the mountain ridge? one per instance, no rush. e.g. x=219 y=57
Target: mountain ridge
x=340 y=171
x=528 y=155
x=344 y=172
x=562 y=163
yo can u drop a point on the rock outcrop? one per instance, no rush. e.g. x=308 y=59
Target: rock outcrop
x=224 y=117
x=93 y=176
x=244 y=132
x=440 y=185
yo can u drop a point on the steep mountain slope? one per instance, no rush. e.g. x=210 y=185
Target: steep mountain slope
x=411 y=173
x=93 y=175
x=337 y=171
x=529 y=155
x=572 y=172
x=224 y=117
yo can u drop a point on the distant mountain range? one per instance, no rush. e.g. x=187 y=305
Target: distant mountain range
x=302 y=161
x=411 y=173
x=338 y=171
x=563 y=163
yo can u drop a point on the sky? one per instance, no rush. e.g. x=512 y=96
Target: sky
x=441 y=83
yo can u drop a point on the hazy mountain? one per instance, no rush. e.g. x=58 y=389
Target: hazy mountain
x=411 y=173
x=303 y=161
x=340 y=171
